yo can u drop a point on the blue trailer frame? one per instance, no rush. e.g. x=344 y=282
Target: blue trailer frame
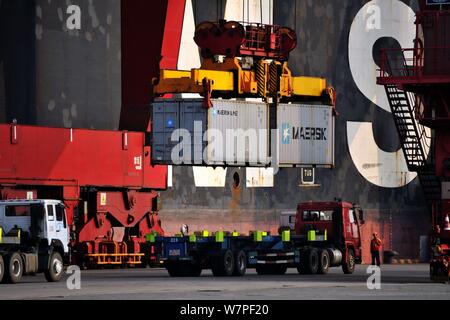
x=268 y=254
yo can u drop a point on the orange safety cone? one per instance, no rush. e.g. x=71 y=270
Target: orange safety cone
x=447 y=223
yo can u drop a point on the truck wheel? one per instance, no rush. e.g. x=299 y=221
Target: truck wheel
x=55 y=269
x=278 y=269
x=2 y=268
x=173 y=270
x=144 y=263
x=262 y=270
x=271 y=269
x=303 y=261
x=13 y=268
x=349 y=266
x=240 y=264
x=177 y=270
x=324 y=262
x=309 y=264
x=223 y=266
x=313 y=261
x=438 y=273
x=195 y=270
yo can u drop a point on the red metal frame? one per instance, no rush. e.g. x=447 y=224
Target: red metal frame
x=173 y=29
x=407 y=67
x=268 y=41
x=77 y=157
x=425 y=71
x=239 y=39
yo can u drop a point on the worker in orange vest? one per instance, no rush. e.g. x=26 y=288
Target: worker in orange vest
x=375 y=248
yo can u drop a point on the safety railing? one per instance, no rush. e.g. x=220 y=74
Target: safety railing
x=268 y=40
x=424 y=134
x=233 y=39
x=430 y=64
x=262 y=37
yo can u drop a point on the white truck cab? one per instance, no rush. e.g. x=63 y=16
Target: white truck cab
x=34 y=236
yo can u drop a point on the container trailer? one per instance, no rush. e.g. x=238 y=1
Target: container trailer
x=327 y=234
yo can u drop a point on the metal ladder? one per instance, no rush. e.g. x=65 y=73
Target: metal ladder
x=413 y=141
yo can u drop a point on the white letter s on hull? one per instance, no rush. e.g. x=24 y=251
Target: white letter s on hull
x=384 y=169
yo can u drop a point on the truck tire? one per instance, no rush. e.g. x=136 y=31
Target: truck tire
x=309 y=263
x=173 y=270
x=223 y=266
x=280 y=270
x=301 y=269
x=324 y=262
x=195 y=270
x=177 y=270
x=349 y=265
x=13 y=268
x=271 y=269
x=262 y=270
x=303 y=260
x=240 y=264
x=180 y=269
x=438 y=272
x=2 y=268
x=144 y=263
x=55 y=269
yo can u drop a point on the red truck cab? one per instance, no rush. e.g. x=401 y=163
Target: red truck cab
x=338 y=223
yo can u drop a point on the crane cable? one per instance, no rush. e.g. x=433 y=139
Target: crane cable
x=261 y=7
x=295 y=16
x=217 y=11
x=248 y=11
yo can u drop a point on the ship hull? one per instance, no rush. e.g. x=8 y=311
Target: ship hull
x=76 y=79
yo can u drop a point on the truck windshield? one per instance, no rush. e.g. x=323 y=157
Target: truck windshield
x=318 y=215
